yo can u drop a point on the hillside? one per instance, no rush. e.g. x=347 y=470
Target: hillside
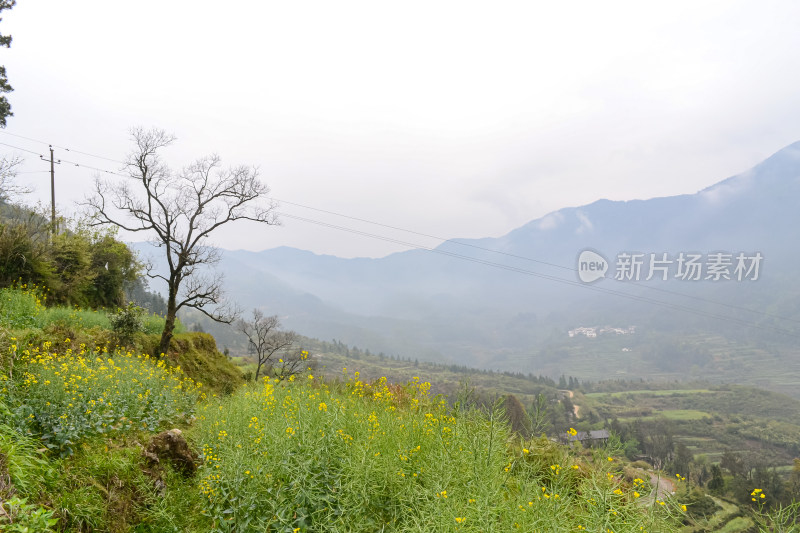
x=84 y=447
x=710 y=419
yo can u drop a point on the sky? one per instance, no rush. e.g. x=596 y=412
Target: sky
x=453 y=119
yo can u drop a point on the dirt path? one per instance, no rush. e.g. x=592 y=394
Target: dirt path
x=664 y=487
x=575 y=408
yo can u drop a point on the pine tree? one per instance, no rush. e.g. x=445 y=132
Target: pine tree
x=5 y=40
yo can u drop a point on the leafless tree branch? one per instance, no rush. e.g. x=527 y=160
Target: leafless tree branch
x=266 y=339
x=181 y=210
x=9 y=190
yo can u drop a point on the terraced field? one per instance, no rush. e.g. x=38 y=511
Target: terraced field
x=711 y=420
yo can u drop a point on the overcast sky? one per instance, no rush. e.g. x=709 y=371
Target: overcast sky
x=456 y=119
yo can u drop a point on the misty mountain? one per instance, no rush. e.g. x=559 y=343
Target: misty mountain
x=475 y=300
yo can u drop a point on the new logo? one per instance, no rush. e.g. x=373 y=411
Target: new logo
x=591 y=266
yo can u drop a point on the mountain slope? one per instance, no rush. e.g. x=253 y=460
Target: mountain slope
x=487 y=300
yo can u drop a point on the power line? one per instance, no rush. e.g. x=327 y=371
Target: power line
x=427 y=235
x=62 y=147
x=88 y=154
x=456 y=242
x=23 y=137
x=573 y=283
x=22 y=149
x=81 y=165
x=515 y=256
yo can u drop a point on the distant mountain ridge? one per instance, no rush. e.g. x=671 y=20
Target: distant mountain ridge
x=465 y=310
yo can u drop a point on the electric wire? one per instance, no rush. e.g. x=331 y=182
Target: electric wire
x=507 y=254
x=573 y=283
x=473 y=259
x=62 y=147
x=81 y=165
x=22 y=149
x=515 y=256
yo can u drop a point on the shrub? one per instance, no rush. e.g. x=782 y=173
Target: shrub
x=23 y=249
x=127 y=322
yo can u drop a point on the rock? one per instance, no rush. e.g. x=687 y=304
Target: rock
x=170 y=446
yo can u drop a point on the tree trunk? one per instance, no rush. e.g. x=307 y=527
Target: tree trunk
x=169 y=326
x=258 y=369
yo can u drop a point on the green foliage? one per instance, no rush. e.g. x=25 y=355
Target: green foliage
x=371 y=456
x=62 y=399
x=517 y=416
x=717 y=483
x=785 y=519
x=127 y=322
x=71 y=258
x=137 y=292
x=197 y=356
x=79 y=266
x=21 y=462
x=23 y=249
x=793 y=486
x=5 y=40
x=698 y=504
x=22 y=517
x=709 y=420
x=20 y=306
x=114 y=266
x=672 y=356
x=102 y=487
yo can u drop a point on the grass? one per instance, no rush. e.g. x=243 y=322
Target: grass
x=19 y=306
x=303 y=455
x=84 y=413
x=356 y=456
x=86 y=318
x=197 y=354
x=737 y=525
x=102 y=487
x=24 y=307
x=344 y=454
x=727 y=512
x=20 y=461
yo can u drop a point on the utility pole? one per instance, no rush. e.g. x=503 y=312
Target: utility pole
x=52 y=192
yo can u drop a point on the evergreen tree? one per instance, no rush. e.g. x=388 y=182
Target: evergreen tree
x=5 y=40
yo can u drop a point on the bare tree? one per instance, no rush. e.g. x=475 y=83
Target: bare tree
x=181 y=210
x=8 y=173
x=265 y=339
x=293 y=362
